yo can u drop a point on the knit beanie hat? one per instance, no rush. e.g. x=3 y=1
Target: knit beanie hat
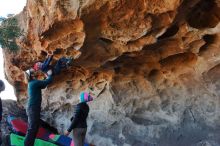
x=37 y=66
x=85 y=97
x=28 y=74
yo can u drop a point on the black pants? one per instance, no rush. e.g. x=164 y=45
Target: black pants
x=33 y=114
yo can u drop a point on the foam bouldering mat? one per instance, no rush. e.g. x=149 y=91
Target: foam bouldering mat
x=16 y=140
x=19 y=127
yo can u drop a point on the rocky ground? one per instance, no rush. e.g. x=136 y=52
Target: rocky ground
x=10 y=107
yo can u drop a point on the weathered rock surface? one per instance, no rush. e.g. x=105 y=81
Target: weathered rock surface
x=10 y=107
x=154 y=65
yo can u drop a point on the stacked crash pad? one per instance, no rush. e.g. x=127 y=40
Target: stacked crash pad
x=19 y=127
x=16 y=140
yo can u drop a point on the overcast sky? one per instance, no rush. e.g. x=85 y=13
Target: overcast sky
x=8 y=7
x=11 y=7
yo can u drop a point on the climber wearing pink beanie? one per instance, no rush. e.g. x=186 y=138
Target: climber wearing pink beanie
x=85 y=97
x=78 y=121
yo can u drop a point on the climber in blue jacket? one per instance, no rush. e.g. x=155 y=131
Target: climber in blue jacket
x=34 y=104
x=43 y=66
x=2 y=88
x=60 y=64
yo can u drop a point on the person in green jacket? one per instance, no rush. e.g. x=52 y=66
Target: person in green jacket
x=34 y=104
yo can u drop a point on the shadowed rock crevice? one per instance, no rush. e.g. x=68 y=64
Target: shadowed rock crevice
x=205 y=14
x=170 y=32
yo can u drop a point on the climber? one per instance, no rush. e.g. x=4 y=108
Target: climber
x=34 y=103
x=62 y=63
x=44 y=67
x=2 y=88
x=78 y=121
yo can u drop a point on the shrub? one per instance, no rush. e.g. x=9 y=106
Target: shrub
x=9 y=31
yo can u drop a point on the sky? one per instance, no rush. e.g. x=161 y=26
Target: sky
x=8 y=7
x=9 y=92
x=11 y=7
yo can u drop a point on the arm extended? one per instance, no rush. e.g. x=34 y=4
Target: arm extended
x=46 y=63
x=43 y=83
x=75 y=119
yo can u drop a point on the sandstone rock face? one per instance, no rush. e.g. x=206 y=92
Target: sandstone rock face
x=154 y=66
